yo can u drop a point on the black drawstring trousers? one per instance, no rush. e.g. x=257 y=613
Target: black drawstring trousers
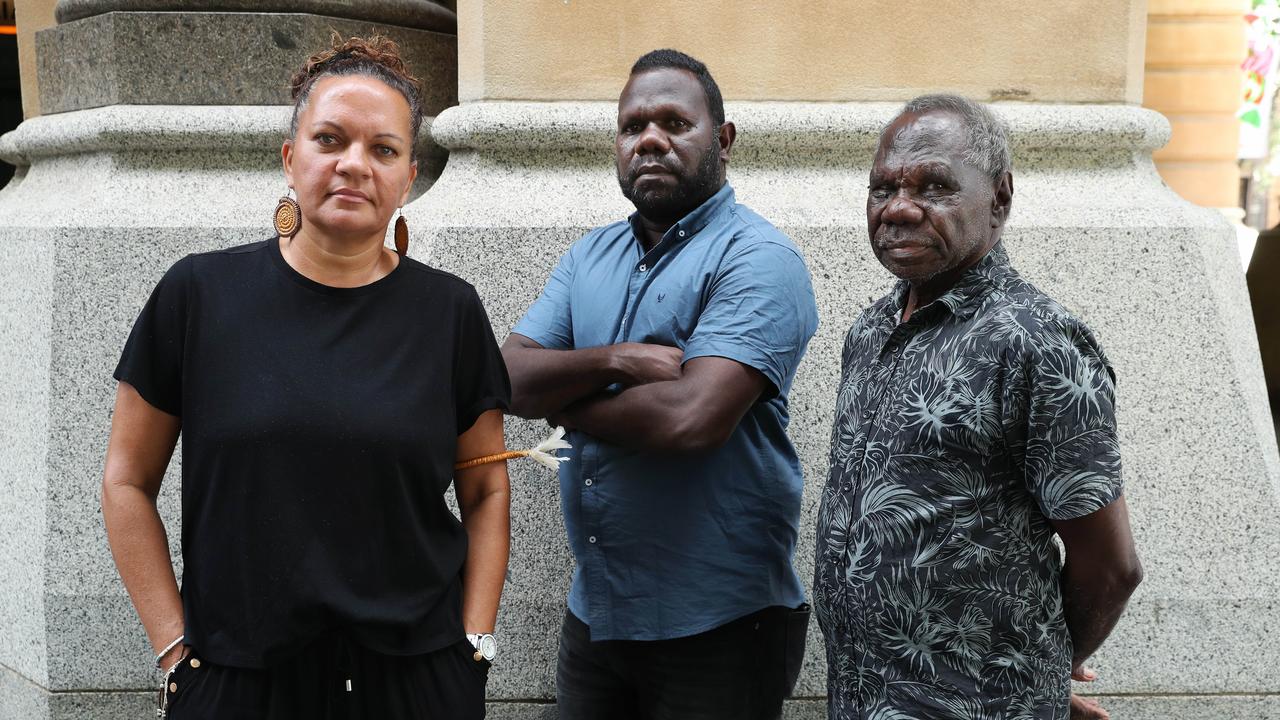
x=333 y=679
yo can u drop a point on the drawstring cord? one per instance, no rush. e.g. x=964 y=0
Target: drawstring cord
x=544 y=453
x=345 y=661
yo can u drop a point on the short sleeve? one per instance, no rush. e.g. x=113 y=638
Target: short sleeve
x=153 y=355
x=549 y=321
x=1072 y=457
x=760 y=312
x=480 y=381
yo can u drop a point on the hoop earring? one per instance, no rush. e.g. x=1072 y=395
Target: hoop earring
x=402 y=234
x=287 y=217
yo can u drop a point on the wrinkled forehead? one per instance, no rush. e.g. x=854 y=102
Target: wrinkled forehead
x=932 y=137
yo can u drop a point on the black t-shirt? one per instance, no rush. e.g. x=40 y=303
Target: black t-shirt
x=319 y=432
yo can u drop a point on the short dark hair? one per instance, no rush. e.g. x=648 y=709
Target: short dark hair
x=668 y=58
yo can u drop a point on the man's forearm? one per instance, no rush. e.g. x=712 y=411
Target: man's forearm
x=645 y=417
x=1093 y=602
x=696 y=412
x=544 y=381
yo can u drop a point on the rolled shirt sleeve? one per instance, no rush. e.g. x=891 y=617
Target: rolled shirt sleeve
x=760 y=312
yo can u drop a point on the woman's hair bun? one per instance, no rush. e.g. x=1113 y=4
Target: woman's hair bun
x=376 y=56
x=349 y=53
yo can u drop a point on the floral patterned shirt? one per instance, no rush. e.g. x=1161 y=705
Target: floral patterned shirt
x=959 y=435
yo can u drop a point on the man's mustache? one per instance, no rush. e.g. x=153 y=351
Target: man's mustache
x=648 y=163
x=889 y=238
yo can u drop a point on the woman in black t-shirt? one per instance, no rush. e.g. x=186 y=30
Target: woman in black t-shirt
x=324 y=388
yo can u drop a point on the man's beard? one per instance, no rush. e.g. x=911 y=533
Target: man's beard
x=690 y=191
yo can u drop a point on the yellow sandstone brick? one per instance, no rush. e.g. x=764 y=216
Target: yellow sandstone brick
x=1210 y=184
x=1202 y=138
x=1216 y=41
x=1194 y=90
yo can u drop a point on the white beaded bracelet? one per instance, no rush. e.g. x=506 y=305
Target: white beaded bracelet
x=167 y=648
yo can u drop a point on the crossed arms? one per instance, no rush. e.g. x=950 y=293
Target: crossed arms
x=666 y=404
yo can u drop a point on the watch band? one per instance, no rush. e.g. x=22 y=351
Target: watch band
x=486 y=646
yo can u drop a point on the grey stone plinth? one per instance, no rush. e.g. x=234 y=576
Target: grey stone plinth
x=106 y=200
x=1093 y=225
x=20 y=699
x=213 y=58
x=418 y=14
x=160 y=135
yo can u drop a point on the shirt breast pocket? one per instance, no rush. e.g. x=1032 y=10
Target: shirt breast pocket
x=667 y=316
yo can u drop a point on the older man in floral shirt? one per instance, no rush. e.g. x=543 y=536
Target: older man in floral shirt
x=974 y=420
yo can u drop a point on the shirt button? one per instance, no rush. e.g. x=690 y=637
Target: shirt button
x=643 y=267
x=866 y=414
x=589 y=481
x=592 y=539
x=681 y=233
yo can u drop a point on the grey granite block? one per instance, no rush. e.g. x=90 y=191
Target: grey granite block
x=21 y=698
x=212 y=58
x=26 y=302
x=1092 y=224
x=103 y=705
x=418 y=14
x=1192 y=707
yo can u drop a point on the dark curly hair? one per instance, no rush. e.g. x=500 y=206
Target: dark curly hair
x=376 y=57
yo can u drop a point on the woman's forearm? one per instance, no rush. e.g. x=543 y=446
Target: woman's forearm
x=141 y=551
x=142 y=441
x=488 y=527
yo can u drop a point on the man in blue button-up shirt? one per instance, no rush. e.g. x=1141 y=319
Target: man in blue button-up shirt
x=668 y=343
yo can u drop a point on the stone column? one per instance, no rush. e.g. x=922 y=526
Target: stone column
x=1093 y=225
x=1193 y=76
x=160 y=136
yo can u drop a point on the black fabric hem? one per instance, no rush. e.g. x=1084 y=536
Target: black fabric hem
x=147 y=392
x=467 y=420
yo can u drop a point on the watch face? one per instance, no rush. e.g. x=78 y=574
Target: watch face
x=488 y=647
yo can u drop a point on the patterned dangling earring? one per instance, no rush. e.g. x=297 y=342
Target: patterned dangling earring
x=288 y=216
x=402 y=234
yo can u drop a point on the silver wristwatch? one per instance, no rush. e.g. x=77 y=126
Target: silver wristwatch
x=485 y=644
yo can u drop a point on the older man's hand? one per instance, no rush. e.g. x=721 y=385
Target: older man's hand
x=1083 y=708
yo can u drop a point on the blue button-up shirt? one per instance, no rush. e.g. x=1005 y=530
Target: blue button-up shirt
x=669 y=545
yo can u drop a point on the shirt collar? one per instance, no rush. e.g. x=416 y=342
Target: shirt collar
x=964 y=298
x=690 y=224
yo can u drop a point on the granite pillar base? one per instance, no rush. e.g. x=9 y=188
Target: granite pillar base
x=214 y=58
x=106 y=201
x=1092 y=225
